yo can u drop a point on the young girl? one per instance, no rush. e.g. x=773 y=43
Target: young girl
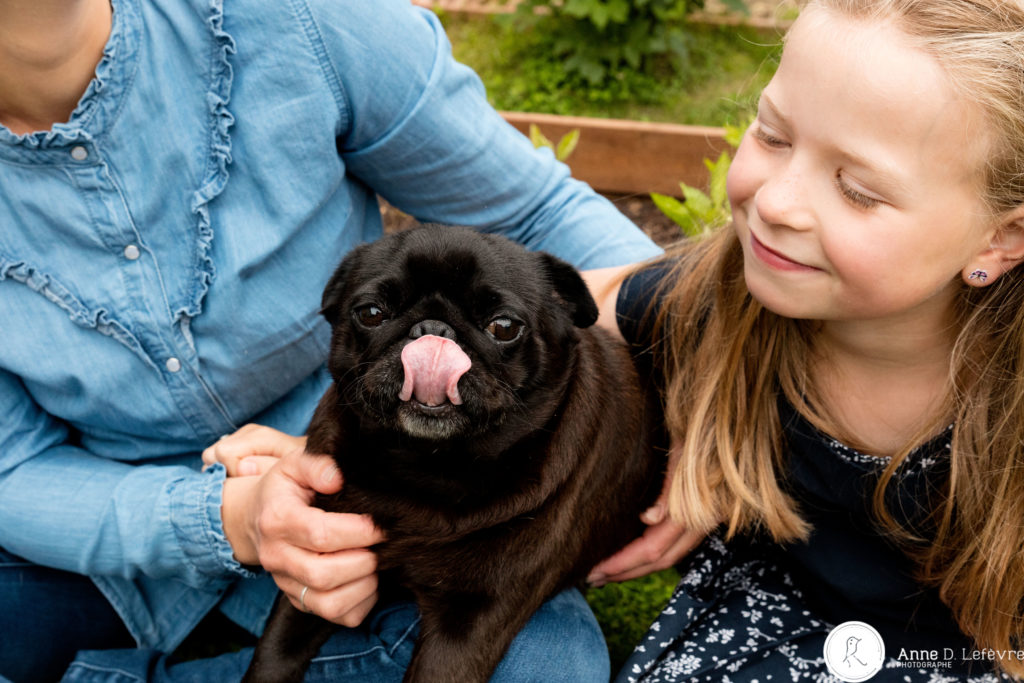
x=844 y=366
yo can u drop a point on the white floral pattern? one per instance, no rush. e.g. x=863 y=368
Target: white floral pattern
x=919 y=459
x=736 y=616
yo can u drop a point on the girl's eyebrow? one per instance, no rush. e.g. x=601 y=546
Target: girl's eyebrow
x=767 y=102
x=886 y=175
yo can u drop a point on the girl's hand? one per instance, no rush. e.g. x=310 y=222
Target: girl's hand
x=252 y=450
x=662 y=544
x=320 y=560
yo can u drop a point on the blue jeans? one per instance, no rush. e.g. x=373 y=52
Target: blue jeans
x=52 y=620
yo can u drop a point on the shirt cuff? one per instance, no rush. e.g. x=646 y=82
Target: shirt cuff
x=195 y=504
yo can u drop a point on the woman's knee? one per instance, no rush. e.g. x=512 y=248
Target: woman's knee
x=562 y=642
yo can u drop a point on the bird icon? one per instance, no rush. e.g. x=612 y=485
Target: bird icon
x=851 y=651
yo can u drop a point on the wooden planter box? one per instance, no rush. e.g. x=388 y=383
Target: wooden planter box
x=626 y=157
x=617 y=156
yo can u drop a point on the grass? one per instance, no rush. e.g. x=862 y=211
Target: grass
x=625 y=610
x=726 y=69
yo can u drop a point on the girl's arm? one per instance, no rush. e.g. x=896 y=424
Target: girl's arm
x=664 y=541
x=604 y=284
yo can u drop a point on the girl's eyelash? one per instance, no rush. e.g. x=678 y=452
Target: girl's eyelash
x=856 y=198
x=766 y=138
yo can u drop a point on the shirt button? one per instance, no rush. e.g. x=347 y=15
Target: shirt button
x=173 y=365
x=79 y=153
x=131 y=252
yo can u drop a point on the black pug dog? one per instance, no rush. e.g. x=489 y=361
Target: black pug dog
x=502 y=445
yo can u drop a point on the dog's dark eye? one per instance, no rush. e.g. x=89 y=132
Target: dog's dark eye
x=370 y=316
x=504 y=329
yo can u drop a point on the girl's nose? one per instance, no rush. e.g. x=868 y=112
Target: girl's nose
x=783 y=200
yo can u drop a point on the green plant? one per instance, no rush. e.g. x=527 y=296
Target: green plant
x=727 y=67
x=597 y=39
x=701 y=212
x=565 y=147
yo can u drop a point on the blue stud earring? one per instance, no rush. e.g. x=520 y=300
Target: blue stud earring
x=978 y=275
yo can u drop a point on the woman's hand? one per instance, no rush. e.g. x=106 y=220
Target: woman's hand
x=662 y=544
x=320 y=560
x=251 y=450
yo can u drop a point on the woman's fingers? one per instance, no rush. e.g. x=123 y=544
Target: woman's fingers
x=347 y=605
x=232 y=450
x=324 y=572
x=254 y=465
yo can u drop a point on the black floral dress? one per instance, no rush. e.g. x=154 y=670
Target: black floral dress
x=750 y=610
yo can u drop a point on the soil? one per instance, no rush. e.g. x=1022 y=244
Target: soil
x=648 y=217
x=638 y=208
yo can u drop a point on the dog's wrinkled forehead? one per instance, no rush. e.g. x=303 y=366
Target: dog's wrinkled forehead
x=471 y=271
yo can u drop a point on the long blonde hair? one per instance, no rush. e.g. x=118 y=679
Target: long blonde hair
x=727 y=358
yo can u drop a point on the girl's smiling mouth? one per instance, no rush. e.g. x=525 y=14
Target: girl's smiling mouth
x=774 y=259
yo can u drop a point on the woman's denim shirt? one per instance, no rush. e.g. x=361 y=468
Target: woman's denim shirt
x=162 y=257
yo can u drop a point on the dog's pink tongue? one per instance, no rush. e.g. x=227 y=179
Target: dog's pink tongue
x=433 y=366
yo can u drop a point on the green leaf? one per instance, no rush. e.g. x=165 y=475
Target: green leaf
x=599 y=16
x=734 y=134
x=673 y=208
x=618 y=11
x=679 y=212
x=697 y=202
x=589 y=69
x=567 y=145
x=539 y=139
x=719 y=172
x=581 y=8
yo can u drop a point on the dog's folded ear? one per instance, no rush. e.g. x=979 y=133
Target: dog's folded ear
x=571 y=289
x=334 y=292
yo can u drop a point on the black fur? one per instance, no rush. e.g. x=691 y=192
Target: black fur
x=496 y=504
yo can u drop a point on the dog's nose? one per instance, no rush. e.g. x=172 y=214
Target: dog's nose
x=434 y=327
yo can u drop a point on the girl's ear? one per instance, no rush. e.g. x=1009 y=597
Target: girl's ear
x=1004 y=253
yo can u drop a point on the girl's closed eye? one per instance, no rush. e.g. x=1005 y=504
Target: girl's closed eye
x=858 y=199
x=766 y=135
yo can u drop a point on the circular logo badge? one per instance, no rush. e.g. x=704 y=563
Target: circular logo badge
x=854 y=651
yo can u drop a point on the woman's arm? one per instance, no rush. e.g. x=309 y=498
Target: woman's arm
x=62 y=506
x=421 y=133
x=65 y=507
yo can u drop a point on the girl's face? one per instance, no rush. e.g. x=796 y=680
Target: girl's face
x=856 y=191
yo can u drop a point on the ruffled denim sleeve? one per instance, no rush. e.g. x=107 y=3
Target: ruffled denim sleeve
x=417 y=128
x=64 y=507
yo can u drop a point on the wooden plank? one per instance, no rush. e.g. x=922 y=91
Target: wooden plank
x=621 y=156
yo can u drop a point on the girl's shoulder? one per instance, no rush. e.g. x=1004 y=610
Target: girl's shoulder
x=640 y=299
